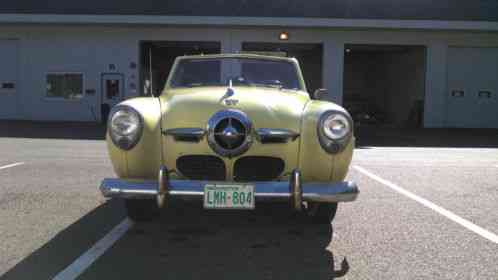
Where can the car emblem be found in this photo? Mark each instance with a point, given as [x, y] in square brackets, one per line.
[229, 132]
[231, 102]
[230, 136]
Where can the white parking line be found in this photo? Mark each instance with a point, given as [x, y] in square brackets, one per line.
[99, 248]
[455, 218]
[11, 165]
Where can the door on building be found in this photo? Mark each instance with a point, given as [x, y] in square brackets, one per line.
[112, 92]
[472, 97]
[9, 93]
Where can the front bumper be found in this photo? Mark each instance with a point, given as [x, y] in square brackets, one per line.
[293, 190]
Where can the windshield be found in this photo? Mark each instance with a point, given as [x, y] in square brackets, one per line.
[239, 71]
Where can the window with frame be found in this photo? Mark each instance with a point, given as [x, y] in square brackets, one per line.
[65, 86]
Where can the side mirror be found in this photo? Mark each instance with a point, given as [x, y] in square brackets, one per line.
[319, 93]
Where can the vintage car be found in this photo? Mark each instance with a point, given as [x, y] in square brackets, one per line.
[231, 131]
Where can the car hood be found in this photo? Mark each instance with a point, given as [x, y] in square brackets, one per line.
[266, 107]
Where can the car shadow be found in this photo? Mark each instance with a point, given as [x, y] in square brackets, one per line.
[188, 242]
[52, 130]
[368, 136]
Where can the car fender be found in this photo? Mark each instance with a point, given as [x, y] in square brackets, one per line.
[314, 162]
[144, 159]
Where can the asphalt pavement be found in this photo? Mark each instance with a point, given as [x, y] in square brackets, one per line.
[52, 216]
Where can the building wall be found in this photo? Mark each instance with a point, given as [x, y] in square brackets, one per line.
[9, 76]
[91, 49]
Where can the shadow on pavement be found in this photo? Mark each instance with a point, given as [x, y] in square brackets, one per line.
[190, 243]
[52, 130]
[426, 137]
[67, 245]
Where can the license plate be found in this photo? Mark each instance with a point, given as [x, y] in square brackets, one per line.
[228, 196]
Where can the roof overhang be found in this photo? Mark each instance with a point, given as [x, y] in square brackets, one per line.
[486, 26]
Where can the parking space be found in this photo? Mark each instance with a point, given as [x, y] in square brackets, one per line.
[388, 236]
[464, 181]
[52, 213]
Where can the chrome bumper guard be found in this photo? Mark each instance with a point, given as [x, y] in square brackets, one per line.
[293, 190]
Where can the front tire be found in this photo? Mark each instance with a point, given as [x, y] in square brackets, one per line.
[141, 210]
[321, 213]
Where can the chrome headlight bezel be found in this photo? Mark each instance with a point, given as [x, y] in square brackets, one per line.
[125, 141]
[329, 144]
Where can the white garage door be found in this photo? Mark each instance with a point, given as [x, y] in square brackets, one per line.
[472, 87]
[9, 61]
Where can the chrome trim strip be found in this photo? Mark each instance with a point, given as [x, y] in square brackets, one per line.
[163, 186]
[276, 134]
[186, 193]
[313, 191]
[186, 133]
[296, 189]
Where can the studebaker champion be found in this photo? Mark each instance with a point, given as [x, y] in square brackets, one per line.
[231, 131]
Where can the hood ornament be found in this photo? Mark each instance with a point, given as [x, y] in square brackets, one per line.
[231, 102]
[229, 93]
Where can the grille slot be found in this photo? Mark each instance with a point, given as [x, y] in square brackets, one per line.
[258, 168]
[201, 167]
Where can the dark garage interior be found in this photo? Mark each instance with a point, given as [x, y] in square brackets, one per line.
[157, 58]
[308, 55]
[384, 85]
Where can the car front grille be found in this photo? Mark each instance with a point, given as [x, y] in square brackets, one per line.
[257, 168]
[201, 167]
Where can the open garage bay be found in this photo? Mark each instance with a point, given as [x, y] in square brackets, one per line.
[384, 85]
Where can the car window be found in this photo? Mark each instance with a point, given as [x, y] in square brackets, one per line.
[240, 71]
[191, 73]
[270, 73]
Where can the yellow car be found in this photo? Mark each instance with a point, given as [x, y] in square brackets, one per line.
[232, 131]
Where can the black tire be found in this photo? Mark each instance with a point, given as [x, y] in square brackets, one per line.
[322, 213]
[142, 210]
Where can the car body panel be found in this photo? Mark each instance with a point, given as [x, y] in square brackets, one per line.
[315, 163]
[266, 108]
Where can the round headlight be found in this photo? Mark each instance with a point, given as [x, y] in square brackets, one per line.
[336, 126]
[125, 127]
[334, 131]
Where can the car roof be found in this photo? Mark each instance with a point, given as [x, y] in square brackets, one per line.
[238, 55]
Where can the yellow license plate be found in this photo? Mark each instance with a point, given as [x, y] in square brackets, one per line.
[228, 196]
